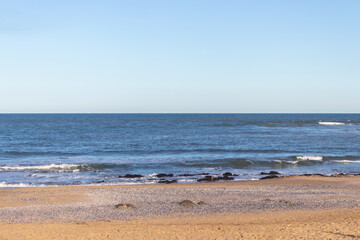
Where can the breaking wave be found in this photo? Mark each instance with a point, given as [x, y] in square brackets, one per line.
[19, 185]
[234, 163]
[331, 123]
[40, 167]
[346, 161]
[296, 162]
[309, 158]
[57, 168]
[301, 160]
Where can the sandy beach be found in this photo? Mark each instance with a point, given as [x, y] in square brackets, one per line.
[299, 207]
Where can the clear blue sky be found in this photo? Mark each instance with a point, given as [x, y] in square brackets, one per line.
[179, 56]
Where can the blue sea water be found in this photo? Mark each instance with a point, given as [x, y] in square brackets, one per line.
[75, 149]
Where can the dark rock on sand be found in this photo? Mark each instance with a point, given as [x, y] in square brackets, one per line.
[269, 177]
[191, 175]
[125, 206]
[209, 178]
[187, 204]
[131, 176]
[270, 173]
[338, 175]
[160, 175]
[202, 203]
[287, 201]
[167, 181]
[344, 175]
[227, 178]
[315, 174]
[227, 174]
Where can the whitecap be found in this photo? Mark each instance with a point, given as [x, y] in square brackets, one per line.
[309, 158]
[18, 185]
[186, 180]
[346, 161]
[285, 161]
[331, 123]
[41, 167]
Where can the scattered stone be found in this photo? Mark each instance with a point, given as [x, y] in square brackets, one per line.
[202, 203]
[125, 206]
[191, 175]
[186, 175]
[338, 175]
[131, 176]
[187, 204]
[227, 174]
[344, 175]
[160, 175]
[209, 178]
[81, 223]
[267, 200]
[287, 202]
[270, 173]
[227, 178]
[167, 181]
[315, 174]
[269, 177]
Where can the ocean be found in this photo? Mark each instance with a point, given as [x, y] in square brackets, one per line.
[79, 149]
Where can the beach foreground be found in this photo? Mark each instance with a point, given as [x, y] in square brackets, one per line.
[308, 207]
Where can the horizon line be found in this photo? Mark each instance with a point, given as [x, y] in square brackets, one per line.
[179, 113]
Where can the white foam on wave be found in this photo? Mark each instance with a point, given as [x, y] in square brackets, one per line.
[72, 167]
[309, 158]
[186, 180]
[152, 175]
[301, 159]
[19, 185]
[331, 123]
[346, 161]
[285, 161]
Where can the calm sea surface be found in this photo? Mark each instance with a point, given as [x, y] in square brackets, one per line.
[75, 149]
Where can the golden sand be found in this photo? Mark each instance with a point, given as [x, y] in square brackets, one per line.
[310, 224]
[338, 223]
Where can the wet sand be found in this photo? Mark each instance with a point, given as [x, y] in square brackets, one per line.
[298, 207]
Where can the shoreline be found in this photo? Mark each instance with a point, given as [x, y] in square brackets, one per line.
[207, 178]
[235, 207]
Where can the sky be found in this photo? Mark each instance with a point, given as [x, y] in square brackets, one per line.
[188, 56]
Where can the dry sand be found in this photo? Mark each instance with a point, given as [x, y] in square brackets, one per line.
[285, 208]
